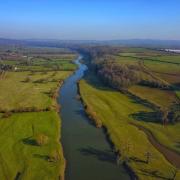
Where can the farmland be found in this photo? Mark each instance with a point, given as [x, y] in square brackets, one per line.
[17, 87]
[21, 156]
[29, 121]
[115, 111]
[132, 111]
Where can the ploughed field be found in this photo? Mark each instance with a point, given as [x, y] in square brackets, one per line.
[29, 121]
[142, 118]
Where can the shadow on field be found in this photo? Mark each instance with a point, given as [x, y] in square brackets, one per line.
[178, 145]
[29, 141]
[147, 116]
[95, 82]
[138, 100]
[176, 86]
[106, 155]
[135, 159]
[45, 157]
[153, 173]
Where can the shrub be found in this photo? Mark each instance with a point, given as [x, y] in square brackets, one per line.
[78, 97]
[174, 114]
[41, 139]
[40, 81]
[54, 74]
[54, 156]
[52, 93]
[92, 115]
[57, 107]
[28, 79]
[6, 114]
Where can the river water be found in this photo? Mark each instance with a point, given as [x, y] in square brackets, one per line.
[88, 153]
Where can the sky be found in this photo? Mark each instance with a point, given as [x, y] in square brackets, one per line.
[90, 19]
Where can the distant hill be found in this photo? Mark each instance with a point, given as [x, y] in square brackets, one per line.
[175, 44]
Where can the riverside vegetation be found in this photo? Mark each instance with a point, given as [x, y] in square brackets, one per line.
[30, 126]
[134, 94]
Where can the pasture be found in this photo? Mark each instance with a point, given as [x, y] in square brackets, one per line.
[22, 90]
[20, 155]
[116, 111]
[30, 125]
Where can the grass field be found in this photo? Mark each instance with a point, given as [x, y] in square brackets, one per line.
[168, 136]
[159, 65]
[155, 95]
[30, 126]
[169, 58]
[43, 62]
[20, 154]
[115, 111]
[16, 93]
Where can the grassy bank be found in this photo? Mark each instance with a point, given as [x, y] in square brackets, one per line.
[114, 110]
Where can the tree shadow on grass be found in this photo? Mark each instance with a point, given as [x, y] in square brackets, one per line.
[17, 176]
[106, 155]
[93, 80]
[135, 159]
[147, 116]
[153, 173]
[176, 86]
[44, 157]
[178, 145]
[138, 100]
[30, 141]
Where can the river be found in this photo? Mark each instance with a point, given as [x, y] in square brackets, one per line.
[87, 151]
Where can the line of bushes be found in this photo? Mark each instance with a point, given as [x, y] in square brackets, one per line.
[26, 109]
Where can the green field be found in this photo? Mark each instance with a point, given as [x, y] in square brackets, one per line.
[19, 152]
[152, 64]
[162, 67]
[115, 111]
[26, 90]
[30, 125]
[40, 62]
[155, 95]
[141, 114]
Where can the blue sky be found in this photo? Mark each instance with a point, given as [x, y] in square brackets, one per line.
[90, 19]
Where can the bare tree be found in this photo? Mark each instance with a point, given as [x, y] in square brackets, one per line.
[164, 116]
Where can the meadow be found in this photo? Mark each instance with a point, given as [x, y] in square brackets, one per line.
[23, 90]
[21, 157]
[154, 64]
[115, 111]
[30, 125]
[134, 113]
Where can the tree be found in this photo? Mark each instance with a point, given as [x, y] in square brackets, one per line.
[41, 139]
[175, 171]
[164, 116]
[148, 156]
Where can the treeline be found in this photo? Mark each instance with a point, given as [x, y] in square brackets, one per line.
[5, 67]
[118, 76]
